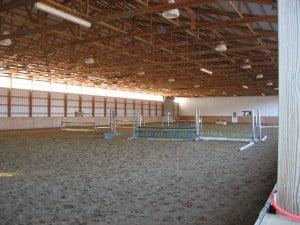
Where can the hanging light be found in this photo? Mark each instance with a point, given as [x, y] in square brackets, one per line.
[221, 47]
[246, 65]
[58, 13]
[259, 76]
[206, 71]
[172, 13]
[6, 42]
[89, 60]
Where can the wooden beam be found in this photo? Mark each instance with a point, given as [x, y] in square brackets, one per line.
[125, 107]
[30, 103]
[93, 106]
[65, 105]
[49, 104]
[80, 103]
[289, 106]
[116, 107]
[9, 93]
[105, 104]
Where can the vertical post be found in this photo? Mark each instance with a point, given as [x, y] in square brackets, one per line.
[133, 105]
[253, 125]
[289, 106]
[259, 124]
[197, 124]
[142, 107]
[105, 102]
[9, 93]
[149, 108]
[80, 103]
[134, 125]
[168, 119]
[49, 104]
[116, 107]
[155, 108]
[125, 107]
[65, 105]
[93, 106]
[30, 103]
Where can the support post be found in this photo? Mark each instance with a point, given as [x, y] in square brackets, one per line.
[9, 93]
[93, 106]
[80, 103]
[125, 107]
[30, 103]
[253, 126]
[197, 124]
[49, 104]
[259, 124]
[65, 105]
[289, 106]
[104, 106]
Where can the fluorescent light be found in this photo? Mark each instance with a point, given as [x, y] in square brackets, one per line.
[245, 87]
[276, 89]
[270, 83]
[196, 86]
[171, 80]
[206, 71]
[172, 13]
[221, 47]
[48, 9]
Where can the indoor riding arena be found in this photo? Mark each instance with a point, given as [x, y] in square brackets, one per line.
[149, 112]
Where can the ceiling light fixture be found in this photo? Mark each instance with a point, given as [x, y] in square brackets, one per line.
[245, 87]
[246, 65]
[89, 60]
[259, 76]
[51, 10]
[171, 80]
[270, 83]
[172, 13]
[141, 73]
[6, 42]
[221, 47]
[206, 71]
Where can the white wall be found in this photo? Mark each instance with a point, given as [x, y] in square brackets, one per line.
[225, 106]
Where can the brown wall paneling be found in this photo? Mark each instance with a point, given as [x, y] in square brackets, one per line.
[57, 104]
[3, 102]
[99, 106]
[20, 103]
[39, 104]
[87, 105]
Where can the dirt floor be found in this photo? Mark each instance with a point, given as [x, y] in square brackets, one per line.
[59, 177]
